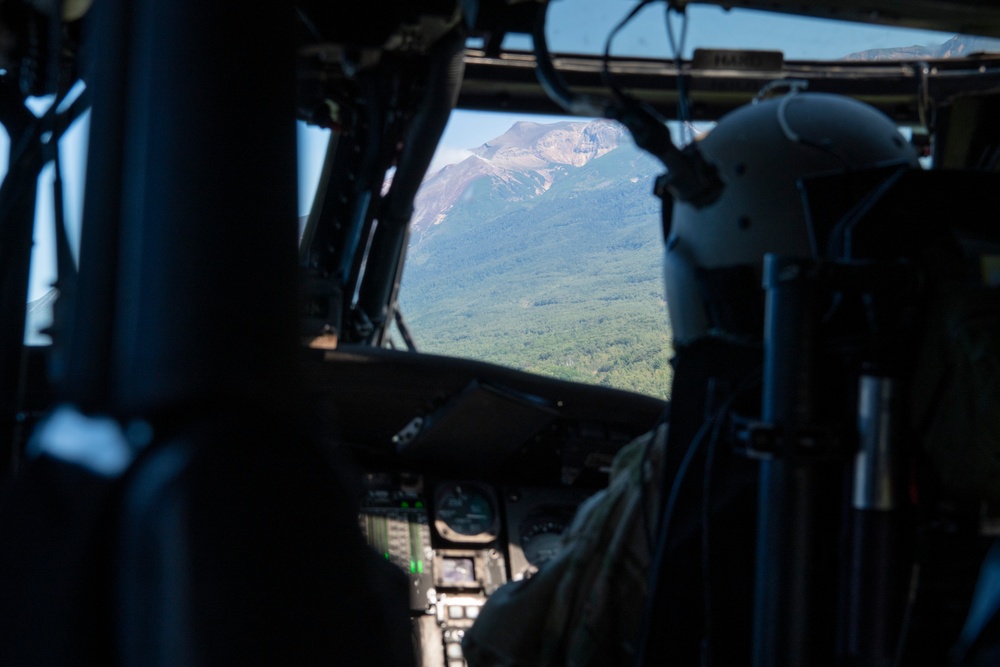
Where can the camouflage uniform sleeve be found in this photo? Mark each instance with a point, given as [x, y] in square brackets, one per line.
[583, 608]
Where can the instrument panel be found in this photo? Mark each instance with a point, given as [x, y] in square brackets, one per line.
[458, 541]
[536, 518]
[466, 512]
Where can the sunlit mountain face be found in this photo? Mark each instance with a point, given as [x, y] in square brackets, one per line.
[519, 165]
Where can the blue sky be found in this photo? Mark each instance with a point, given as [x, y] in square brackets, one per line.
[585, 24]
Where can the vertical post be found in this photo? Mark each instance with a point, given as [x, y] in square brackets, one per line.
[877, 587]
[17, 216]
[206, 285]
[786, 599]
[82, 356]
[229, 531]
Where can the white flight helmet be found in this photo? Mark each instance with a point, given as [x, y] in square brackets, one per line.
[761, 150]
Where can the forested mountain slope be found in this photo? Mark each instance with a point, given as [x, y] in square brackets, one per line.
[546, 265]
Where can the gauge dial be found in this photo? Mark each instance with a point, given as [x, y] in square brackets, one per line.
[542, 539]
[465, 512]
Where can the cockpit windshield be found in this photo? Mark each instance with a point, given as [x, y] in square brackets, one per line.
[549, 261]
[644, 30]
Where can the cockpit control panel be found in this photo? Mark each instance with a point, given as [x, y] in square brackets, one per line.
[458, 541]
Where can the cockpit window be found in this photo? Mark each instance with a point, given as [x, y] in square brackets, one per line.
[538, 246]
[42, 285]
[551, 261]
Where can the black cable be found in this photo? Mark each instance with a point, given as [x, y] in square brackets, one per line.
[552, 83]
[683, 108]
[705, 543]
[714, 425]
[705, 512]
[606, 77]
[661, 542]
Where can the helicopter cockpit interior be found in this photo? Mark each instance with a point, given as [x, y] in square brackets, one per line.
[231, 448]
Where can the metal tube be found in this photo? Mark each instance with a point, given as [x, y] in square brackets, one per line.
[206, 284]
[878, 581]
[786, 598]
[874, 479]
[82, 354]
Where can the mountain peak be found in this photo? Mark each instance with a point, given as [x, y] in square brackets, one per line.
[534, 145]
[523, 162]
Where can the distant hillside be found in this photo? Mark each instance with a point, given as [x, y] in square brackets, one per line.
[542, 251]
[960, 46]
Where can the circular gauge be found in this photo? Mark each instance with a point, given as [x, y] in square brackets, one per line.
[465, 512]
[541, 539]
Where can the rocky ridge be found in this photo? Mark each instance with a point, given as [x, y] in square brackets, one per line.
[521, 163]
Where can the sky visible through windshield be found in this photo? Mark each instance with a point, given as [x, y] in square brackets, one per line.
[580, 26]
[583, 26]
